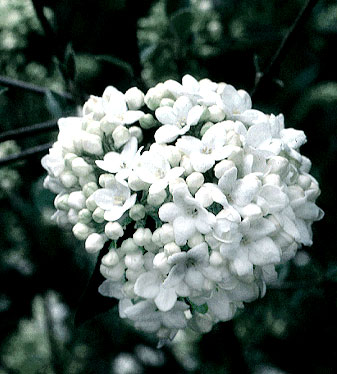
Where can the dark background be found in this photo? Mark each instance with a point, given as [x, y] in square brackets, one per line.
[80, 47]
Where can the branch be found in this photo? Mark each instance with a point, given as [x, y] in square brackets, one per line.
[27, 153]
[29, 130]
[10, 82]
[288, 40]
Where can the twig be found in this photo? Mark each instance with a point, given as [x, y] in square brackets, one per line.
[27, 153]
[29, 130]
[274, 65]
[10, 82]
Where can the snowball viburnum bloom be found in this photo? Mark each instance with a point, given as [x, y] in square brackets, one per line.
[116, 109]
[153, 168]
[177, 120]
[121, 163]
[114, 200]
[186, 214]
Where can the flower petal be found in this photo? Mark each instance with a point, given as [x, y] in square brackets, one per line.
[132, 116]
[166, 115]
[166, 134]
[169, 212]
[147, 285]
[166, 299]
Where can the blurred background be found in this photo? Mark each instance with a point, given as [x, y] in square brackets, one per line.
[81, 46]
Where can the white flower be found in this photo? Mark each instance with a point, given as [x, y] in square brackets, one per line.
[115, 107]
[203, 153]
[176, 120]
[186, 214]
[233, 102]
[153, 168]
[114, 200]
[121, 163]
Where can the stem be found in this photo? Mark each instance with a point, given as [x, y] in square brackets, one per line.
[288, 40]
[14, 83]
[27, 153]
[29, 130]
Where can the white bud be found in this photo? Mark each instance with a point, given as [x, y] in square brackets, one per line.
[205, 127]
[135, 183]
[304, 181]
[278, 165]
[171, 249]
[136, 132]
[61, 202]
[92, 144]
[110, 259]
[134, 261]
[194, 181]
[84, 216]
[151, 247]
[80, 167]
[90, 203]
[98, 215]
[129, 246]
[73, 216]
[148, 261]
[154, 96]
[156, 237]
[134, 98]
[273, 179]
[85, 179]
[94, 242]
[76, 200]
[216, 114]
[132, 275]
[160, 263]
[187, 165]
[222, 167]
[137, 212]
[93, 105]
[128, 289]
[195, 239]
[167, 102]
[215, 259]
[173, 155]
[68, 159]
[81, 231]
[121, 135]
[174, 183]
[142, 236]
[114, 273]
[68, 179]
[166, 233]
[156, 199]
[113, 230]
[147, 121]
[89, 189]
[106, 126]
[94, 127]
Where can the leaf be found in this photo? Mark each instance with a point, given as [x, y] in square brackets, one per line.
[117, 62]
[181, 23]
[69, 62]
[174, 5]
[202, 309]
[92, 302]
[53, 105]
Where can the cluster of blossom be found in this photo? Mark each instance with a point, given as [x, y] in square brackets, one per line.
[217, 200]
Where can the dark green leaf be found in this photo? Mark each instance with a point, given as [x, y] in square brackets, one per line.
[117, 62]
[174, 5]
[3, 90]
[69, 62]
[53, 105]
[181, 22]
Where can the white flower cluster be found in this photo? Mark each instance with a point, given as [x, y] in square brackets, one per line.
[219, 198]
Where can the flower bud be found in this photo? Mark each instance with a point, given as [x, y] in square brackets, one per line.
[187, 165]
[142, 236]
[110, 259]
[136, 184]
[205, 127]
[76, 200]
[90, 203]
[136, 132]
[68, 159]
[84, 215]
[273, 179]
[134, 98]
[115, 273]
[134, 261]
[128, 289]
[106, 126]
[113, 230]
[92, 144]
[195, 239]
[156, 199]
[216, 114]
[80, 167]
[68, 179]
[106, 180]
[94, 127]
[154, 96]
[194, 181]
[81, 231]
[129, 246]
[160, 263]
[94, 243]
[98, 215]
[85, 179]
[132, 275]
[61, 202]
[173, 155]
[137, 212]
[223, 166]
[166, 233]
[278, 165]
[89, 189]
[304, 181]
[174, 183]
[93, 105]
[156, 237]
[215, 259]
[121, 135]
[171, 249]
[147, 121]
[167, 102]
[72, 216]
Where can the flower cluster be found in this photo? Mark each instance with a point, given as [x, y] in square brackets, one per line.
[216, 195]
